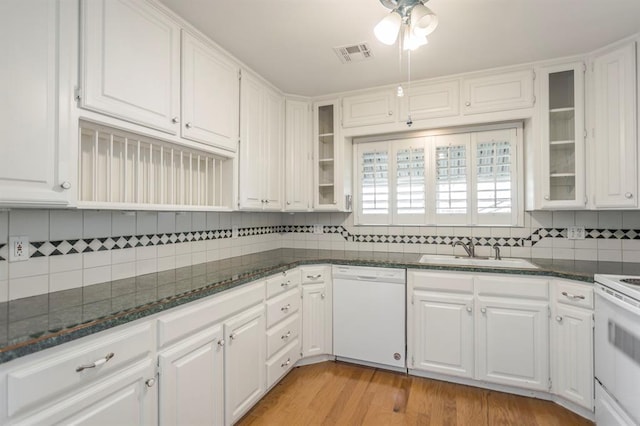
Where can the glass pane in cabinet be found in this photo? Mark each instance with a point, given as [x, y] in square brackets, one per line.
[562, 159]
[325, 120]
[325, 147]
[561, 90]
[326, 195]
[563, 188]
[562, 125]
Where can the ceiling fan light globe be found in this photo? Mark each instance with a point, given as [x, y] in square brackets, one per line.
[412, 41]
[423, 20]
[387, 29]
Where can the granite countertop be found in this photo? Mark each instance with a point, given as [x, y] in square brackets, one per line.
[32, 324]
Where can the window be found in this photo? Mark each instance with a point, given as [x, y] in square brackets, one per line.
[447, 179]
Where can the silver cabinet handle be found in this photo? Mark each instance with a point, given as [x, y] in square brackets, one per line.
[286, 336]
[286, 363]
[175, 120]
[314, 277]
[559, 318]
[65, 185]
[390, 112]
[97, 363]
[322, 295]
[233, 336]
[288, 203]
[220, 343]
[150, 382]
[573, 296]
[467, 103]
[483, 310]
[285, 284]
[628, 195]
[188, 125]
[546, 197]
[286, 307]
[469, 309]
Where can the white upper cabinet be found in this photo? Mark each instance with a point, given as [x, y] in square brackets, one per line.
[431, 100]
[498, 92]
[210, 95]
[261, 146]
[615, 163]
[131, 63]
[562, 131]
[369, 108]
[297, 154]
[38, 73]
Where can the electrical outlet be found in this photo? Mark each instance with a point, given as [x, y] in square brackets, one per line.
[234, 231]
[318, 229]
[18, 249]
[575, 233]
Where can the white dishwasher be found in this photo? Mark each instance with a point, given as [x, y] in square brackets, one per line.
[369, 315]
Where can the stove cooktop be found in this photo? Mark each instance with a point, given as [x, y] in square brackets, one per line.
[626, 284]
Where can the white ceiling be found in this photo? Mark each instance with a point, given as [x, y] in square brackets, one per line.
[290, 42]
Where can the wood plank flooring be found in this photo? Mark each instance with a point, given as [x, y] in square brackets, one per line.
[335, 393]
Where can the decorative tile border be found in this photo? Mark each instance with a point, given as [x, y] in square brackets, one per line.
[89, 245]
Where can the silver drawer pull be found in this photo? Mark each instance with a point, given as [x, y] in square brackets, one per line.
[286, 284]
[286, 307]
[314, 277]
[573, 296]
[97, 363]
[286, 363]
[286, 336]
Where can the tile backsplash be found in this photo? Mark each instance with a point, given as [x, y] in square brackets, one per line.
[71, 249]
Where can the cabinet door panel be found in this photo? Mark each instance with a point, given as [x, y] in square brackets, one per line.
[244, 362]
[370, 108]
[35, 88]
[297, 155]
[499, 92]
[314, 320]
[131, 63]
[121, 399]
[512, 348]
[616, 171]
[443, 333]
[252, 161]
[192, 381]
[210, 95]
[273, 150]
[431, 101]
[573, 355]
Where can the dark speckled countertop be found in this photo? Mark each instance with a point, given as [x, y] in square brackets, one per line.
[32, 324]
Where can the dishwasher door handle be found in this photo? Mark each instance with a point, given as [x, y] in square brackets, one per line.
[366, 278]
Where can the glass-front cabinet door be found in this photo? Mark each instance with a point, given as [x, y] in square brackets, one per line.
[562, 136]
[326, 156]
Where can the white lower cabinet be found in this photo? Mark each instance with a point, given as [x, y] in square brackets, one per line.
[443, 333]
[191, 381]
[483, 327]
[572, 342]
[244, 372]
[317, 325]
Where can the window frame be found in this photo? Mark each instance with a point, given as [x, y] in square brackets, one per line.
[471, 136]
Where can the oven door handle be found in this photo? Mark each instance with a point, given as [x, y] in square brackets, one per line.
[614, 300]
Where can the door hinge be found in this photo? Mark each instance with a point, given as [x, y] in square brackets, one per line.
[584, 67]
[586, 134]
[534, 75]
[239, 74]
[413, 361]
[534, 99]
[550, 383]
[549, 311]
[412, 299]
[77, 94]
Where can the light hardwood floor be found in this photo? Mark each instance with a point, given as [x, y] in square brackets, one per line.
[335, 393]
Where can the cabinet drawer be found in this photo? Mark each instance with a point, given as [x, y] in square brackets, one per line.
[51, 377]
[282, 362]
[283, 333]
[282, 282]
[282, 306]
[315, 275]
[573, 293]
[187, 320]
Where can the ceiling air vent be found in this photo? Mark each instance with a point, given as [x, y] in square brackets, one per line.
[353, 53]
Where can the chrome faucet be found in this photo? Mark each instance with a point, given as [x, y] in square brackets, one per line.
[469, 248]
[496, 248]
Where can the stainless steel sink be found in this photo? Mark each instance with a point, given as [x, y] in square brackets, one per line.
[438, 259]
